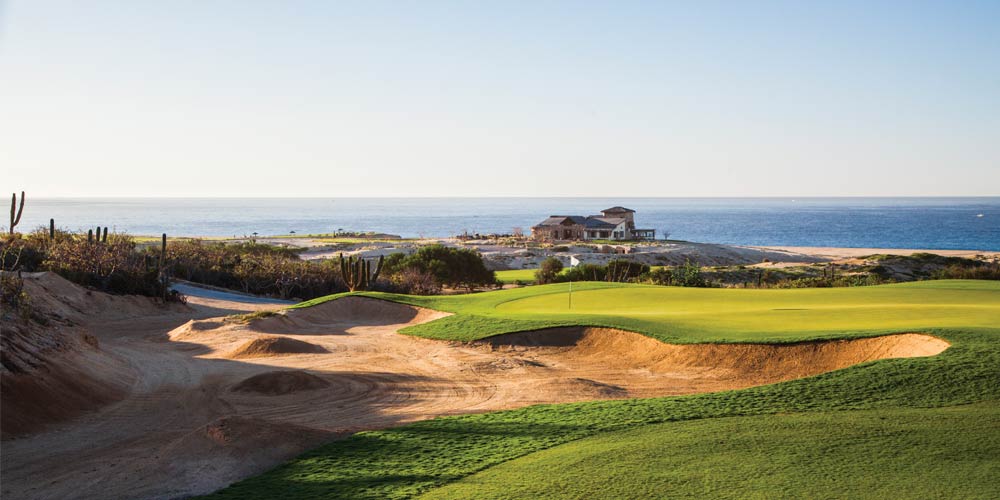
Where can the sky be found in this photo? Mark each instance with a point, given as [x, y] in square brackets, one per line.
[535, 98]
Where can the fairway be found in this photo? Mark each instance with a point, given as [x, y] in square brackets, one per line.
[686, 315]
[864, 454]
[908, 428]
[516, 275]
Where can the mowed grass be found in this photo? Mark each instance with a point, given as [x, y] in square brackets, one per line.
[874, 426]
[886, 453]
[517, 275]
[686, 315]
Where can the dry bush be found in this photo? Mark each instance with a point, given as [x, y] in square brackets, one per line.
[414, 281]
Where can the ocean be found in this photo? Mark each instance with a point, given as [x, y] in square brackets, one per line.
[933, 223]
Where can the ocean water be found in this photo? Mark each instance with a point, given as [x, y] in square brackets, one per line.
[934, 223]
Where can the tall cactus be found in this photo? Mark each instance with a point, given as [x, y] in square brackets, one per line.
[358, 273]
[162, 270]
[104, 237]
[20, 210]
[52, 229]
[163, 250]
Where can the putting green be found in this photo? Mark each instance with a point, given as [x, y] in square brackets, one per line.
[775, 313]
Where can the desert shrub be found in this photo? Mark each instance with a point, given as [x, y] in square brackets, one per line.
[415, 281]
[453, 267]
[622, 271]
[252, 268]
[26, 252]
[619, 270]
[850, 280]
[13, 298]
[560, 248]
[550, 269]
[119, 266]
[584, 272]
[689, 274]
[660, 276]
[113, 266]
[985, 271]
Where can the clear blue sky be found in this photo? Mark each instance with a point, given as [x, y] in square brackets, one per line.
[367, 98]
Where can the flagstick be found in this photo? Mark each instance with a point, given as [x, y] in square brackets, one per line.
[572, 263]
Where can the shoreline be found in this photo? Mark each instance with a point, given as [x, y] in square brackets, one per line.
[833, 251]
[507, 255]
[850, 252]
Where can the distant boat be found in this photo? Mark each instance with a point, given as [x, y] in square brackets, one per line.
[979, 215]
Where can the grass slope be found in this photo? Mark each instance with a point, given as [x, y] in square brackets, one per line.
[896, 403]
[887, 453]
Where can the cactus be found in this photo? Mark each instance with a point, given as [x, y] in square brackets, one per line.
[162, 266]
[104, 237]
[20, 210]
[358, 274]
[163, 251]
[52, 229]
[90, 236]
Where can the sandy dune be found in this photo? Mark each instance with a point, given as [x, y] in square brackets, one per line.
[837, 253]
[200, 414]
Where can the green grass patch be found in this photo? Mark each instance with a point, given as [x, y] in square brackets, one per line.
[517, 275]
[887, 453]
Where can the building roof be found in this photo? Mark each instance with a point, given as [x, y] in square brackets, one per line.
[595, 222]
[589, 222]
[616, 210]
[559, 220]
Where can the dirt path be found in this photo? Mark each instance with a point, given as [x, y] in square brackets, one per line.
[184, 430]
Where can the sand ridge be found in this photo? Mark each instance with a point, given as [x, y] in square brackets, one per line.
[619, 355]
[281, 382]
[272, 345]
[206, 433]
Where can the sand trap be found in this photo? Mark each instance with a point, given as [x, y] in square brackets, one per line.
[744, 364]
[281, 382]
[55, 297]
[347, 311]
[274, 346]
[54, 371]
[66, 385]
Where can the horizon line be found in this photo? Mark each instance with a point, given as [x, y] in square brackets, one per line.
[285, 197]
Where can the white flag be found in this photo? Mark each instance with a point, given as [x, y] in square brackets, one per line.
[573, 262]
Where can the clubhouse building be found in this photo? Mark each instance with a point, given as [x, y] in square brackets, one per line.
[615, 223]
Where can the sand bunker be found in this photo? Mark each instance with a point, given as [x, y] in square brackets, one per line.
[65, 385]
[347, 311]
[54, 369]
[744, 364]
[57, 298]
[281, 382]
[274, 346]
